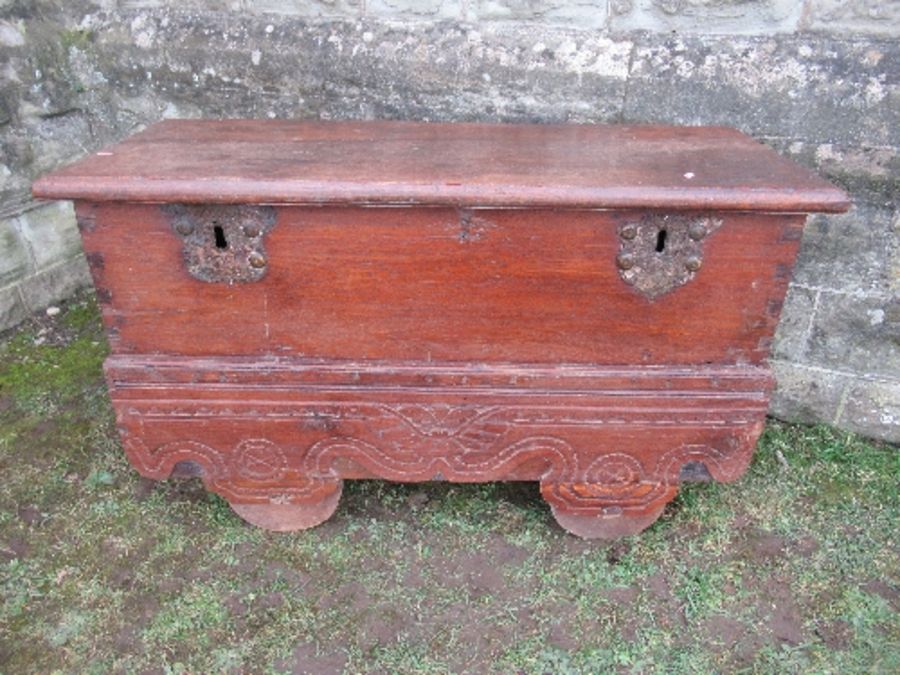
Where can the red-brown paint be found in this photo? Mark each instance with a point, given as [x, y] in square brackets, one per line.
[472, 326]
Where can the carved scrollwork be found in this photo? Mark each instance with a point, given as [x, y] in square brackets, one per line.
[616, 470]
[280, 458]
[611, 484]
[262, 480]
[258, 470]
[608, 458]
[394, 462]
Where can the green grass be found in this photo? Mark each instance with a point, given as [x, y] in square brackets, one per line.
[793, 569]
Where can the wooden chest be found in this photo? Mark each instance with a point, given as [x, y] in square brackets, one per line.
[291, 304]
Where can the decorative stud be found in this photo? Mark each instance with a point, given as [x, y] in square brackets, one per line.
[697, 231]
[625, 261]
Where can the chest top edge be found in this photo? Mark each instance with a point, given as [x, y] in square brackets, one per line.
[448, 164]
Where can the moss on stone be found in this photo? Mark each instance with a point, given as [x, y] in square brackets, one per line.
[78, 38]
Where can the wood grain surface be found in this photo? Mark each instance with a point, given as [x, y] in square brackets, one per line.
[590, 166]
[438, 284]
[608, 445]
[292, 304]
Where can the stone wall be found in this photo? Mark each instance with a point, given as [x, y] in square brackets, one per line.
[816, 79]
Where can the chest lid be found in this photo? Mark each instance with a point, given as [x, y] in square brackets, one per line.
[461, 164]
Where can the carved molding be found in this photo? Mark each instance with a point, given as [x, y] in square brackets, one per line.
[576, 479]
[601, 441]
[491, 422]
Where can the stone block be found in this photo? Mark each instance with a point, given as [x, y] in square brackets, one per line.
[415, 10]
[587, 14]
[869, 173]
[806, 394]
[50, 233]
[707, 16]
[807, 88]
[794, 326]
[856, 333]
[848, 252]
[14, 259]
[875, 17]
[894, 256]
[810, 394]
[448, 72]
[872, 407]
[310, 9]
[11, 34]
[288, 67]
[56, 137]
[12, 310]
[200, 5]
[55, 283]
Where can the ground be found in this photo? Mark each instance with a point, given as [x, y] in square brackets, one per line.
[794, 568]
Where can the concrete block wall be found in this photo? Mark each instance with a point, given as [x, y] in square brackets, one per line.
[815, 79]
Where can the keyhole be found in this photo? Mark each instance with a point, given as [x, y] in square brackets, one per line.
[219, 234]
[661, 241]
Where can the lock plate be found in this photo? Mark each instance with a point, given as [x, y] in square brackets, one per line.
[660, 252]
[223, 243]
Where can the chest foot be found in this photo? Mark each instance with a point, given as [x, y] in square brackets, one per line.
[291, 516]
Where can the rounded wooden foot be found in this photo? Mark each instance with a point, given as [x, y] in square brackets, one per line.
[609, 509]
[603, 526]
[290, 517]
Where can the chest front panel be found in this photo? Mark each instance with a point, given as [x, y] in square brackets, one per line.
[440, 284]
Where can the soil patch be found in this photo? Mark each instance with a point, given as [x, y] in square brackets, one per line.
[308, 659]
[477, 572]
[784, 619]
[14, 548]
[836, 634]
[30, 515]
[885, 590]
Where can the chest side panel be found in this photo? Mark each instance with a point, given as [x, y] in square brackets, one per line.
[442, 284]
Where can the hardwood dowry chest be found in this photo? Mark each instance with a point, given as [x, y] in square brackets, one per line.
[292, 304]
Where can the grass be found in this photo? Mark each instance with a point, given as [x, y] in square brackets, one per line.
[793, 569]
